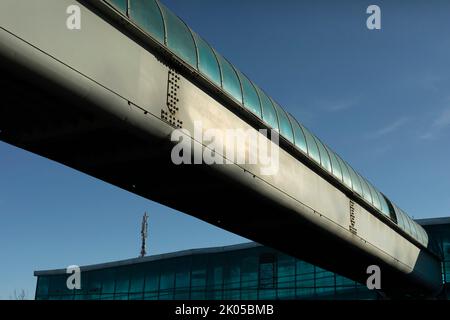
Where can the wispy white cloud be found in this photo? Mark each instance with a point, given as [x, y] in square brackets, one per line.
[441, 122]
[342, 105]
[381, 149]
[337, 105]
[389, 128]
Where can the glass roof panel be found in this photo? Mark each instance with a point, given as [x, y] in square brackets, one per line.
[147, 15]
[345, 173]
[336, 167]
[324, 157]
[299, 137]
[269, 115]
[120, 4]
[179, 37]
[355, 180]
[230, 80]
[313, 150]
[207, 61]
[285, 125]
[251, 99]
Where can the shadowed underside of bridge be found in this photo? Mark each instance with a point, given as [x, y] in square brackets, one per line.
[66, 129]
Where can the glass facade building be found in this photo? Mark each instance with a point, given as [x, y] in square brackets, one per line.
[439, 231]
[242, 272]
[246, 271]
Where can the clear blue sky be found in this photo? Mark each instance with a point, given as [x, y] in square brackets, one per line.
[379, 98]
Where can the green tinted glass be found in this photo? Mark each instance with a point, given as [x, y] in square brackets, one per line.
[412, 225]
[313, 150]
[207, 62]
[418, 232]
[345, 173]
[324, 157]
[425, 238]
[365, 190]
[299, 137]
[337, 172]
[375, 199]
[408, 222]
[179, 38]
[251, 99]
[269, 114]
[122, 281]
[403, 222]
[355, 180]
[43, 286]
[120, 4]
[383, 204]
[147, 16]
[400, 219]
[230, 81]
[285, 125]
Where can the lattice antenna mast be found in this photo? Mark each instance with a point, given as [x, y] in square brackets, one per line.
[144, 235]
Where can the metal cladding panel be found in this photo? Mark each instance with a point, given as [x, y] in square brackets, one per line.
[96, 51]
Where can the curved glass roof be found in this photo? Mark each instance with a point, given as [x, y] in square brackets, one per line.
[169, 30]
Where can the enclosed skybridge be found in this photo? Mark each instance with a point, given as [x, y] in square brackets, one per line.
[100, 86]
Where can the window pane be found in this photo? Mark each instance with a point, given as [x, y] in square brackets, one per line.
[108, 283]
[324, 283]
[324, 157]
[305, 281]
[313, 151]
[376, 201]
[384, 205]
[251, 99]
[345, 173]
[400, 219]
[198, 283]
[285, 125]
[355, 181]
[425, 237]
[232, 281]
[147, 16]
[179, 38]
[207, 61]
[365, 190]
[122, 284]
[299, 137]
[166, 286]
[286, 277]
[215, 280]
[58, 288]
[411, 225]
[416, 228]
[408, 224]
[42, 287]
[269, 114]
[418, 232]
[120, 4]
[392, 212]
[249, 278]
[137, 282]
[230, 81]
[337, 172]
[152, 283]
[95, 284]
[182, 284]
